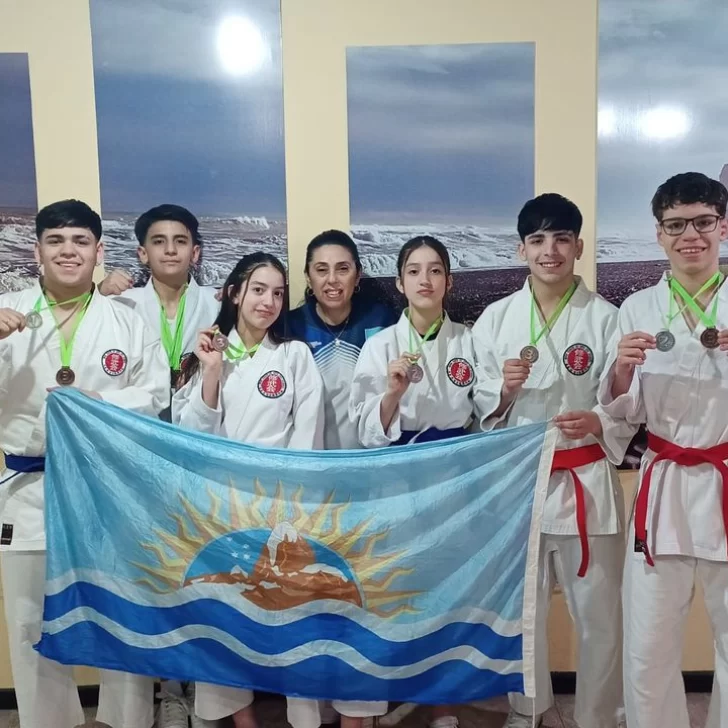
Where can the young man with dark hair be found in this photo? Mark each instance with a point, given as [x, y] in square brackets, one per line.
[544, 349]
[171, 303]
[670, 372]
[62, 333]
[176, 309]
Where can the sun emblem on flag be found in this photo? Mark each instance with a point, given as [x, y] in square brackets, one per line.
[276, 554]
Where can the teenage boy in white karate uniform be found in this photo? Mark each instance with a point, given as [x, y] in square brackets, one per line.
[61, 332]
[671, 373]
[176, 309]
[544, 350]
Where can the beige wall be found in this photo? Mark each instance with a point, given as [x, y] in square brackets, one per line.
[315, 36]
[56, 35]
[698, 641]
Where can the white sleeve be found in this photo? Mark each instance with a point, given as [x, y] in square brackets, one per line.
[367, 391]
[308, 401]
[4, 371]
[190, 411]
[488, 374]
[629, 406]
[148, 388]
[617, 433]
[126, 300]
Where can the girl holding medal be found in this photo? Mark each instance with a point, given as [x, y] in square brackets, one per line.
[247, 383]
[415, 381]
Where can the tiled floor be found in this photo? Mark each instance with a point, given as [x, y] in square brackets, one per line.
[272, 714]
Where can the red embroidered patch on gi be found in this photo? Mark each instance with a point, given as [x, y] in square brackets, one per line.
[272, 385]
[460, 372]
[114, 362]
[578, 359]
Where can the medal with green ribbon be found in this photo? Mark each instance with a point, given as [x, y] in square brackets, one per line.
[65, 376]
[416, 373]
[530, 353]
[665, 340]
[34, 319]
[172, 343]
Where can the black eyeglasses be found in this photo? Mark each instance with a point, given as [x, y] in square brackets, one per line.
[700, 223]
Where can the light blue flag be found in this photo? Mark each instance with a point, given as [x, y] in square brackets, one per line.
[392, 574]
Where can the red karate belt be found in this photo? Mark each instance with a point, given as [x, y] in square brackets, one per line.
[686, 456]
[569, 460]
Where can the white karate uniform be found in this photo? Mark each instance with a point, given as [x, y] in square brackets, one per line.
[275, 400]
[446, 398]
[201, 309]
[115, 355]
[566, 378]
[682, 396]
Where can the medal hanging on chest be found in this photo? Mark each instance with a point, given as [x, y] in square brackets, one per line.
[172, 343]
[65, 376]
[415, 373]
[530, 353]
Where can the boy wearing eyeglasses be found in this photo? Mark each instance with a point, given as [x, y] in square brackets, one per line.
[671, 372]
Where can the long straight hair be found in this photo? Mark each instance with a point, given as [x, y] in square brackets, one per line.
[227, 317]
[424, 241]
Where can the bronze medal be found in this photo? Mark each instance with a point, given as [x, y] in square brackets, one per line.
[529, 354]
[65, 377]
[709, 338]
[415, 373]
[220, 342]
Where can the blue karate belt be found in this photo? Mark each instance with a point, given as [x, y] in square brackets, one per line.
[431, 434]
[23, 464]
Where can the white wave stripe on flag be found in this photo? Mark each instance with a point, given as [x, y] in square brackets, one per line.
[390, 631]
[284, 659]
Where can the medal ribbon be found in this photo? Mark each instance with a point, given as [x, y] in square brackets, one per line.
[708, 320]
[234, 353]
[38, 309]
[66, 343]
[535, 338]
[173, 344]
[414, 352]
